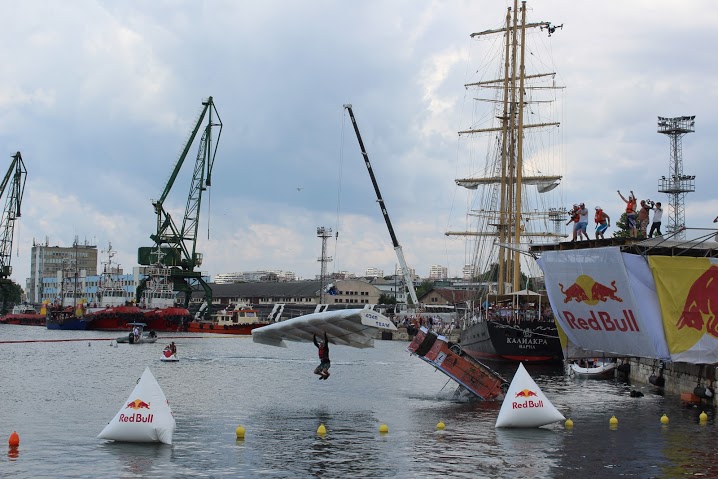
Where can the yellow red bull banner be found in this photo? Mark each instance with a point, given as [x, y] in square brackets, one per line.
[605, 300]
[688, 293]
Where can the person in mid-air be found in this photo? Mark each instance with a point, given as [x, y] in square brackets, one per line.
[323, 346]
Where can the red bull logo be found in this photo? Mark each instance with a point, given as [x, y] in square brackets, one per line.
[137, 404]
[528, 403]
[587, 290]
[701, 304]
[525, 393]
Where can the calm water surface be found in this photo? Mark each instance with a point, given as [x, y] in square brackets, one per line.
[59, 395]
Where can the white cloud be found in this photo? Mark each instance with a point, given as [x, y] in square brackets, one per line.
[100, 96]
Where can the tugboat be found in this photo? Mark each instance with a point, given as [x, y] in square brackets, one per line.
[239, 319]
[66, 319]
[116, 307]
[159, 307]
[26, 315]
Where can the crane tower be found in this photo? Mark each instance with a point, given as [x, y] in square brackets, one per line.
[323, 233]
[676, 184]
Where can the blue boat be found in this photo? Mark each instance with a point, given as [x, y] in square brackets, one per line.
[65, 319]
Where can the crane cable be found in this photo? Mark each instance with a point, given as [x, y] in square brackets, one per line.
[209, 208]
[339, 189]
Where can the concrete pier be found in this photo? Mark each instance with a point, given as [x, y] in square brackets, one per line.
[679, 378]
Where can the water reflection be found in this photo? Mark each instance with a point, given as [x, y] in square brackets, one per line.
[138, 459]
[59, 406]
[13, 452]
[534, 449]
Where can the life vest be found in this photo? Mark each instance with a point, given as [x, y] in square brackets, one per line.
[599, 217]
[630, 206]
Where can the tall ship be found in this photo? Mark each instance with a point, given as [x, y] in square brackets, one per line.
[512, 147]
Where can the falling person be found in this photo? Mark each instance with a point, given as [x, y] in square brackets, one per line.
[323, 346]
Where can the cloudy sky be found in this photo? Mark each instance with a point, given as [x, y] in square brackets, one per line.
[99, 97]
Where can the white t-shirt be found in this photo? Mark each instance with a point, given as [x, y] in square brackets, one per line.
[657, 214]
[583, 215]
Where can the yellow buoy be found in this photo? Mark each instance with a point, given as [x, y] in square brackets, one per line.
[240, 432]
[321, 430]
[383, 429]
[568, 423]
[440, 425]
[613, 421]
[703, 416]
[664, 419]
[14, 440]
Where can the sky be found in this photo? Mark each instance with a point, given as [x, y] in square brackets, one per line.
[100, 96]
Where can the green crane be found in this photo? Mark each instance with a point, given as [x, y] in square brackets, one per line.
[15, 179]
[175, 248]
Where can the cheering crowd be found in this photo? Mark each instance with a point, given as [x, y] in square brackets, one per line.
[636, 219]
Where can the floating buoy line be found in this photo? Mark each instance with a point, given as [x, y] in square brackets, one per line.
[12, 341]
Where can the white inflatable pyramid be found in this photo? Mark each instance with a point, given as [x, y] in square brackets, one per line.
[145, 416]
[525, 404]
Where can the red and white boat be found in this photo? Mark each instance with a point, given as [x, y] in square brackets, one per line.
[157, 308]
[231, 320]
[25, 314]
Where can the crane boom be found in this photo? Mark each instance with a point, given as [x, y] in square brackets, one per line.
[384, 212]
[15, 178]
[181, 251]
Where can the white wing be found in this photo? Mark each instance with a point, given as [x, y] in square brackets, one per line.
[347, 327]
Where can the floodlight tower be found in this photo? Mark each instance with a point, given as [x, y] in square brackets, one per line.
[323, 233]
[676, 184]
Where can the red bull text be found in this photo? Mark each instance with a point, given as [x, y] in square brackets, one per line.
[604, 321]
[530, 403]
[526, 404]
[137, 417]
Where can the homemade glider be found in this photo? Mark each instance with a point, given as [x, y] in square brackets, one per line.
[346, 327]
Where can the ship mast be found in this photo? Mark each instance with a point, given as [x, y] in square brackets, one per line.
[519, 150]
[511, 179]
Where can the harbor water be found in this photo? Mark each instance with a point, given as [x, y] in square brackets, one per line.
[59, 395]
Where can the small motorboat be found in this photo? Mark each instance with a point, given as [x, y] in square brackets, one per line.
[596, 369]
[169, 356]
[138, 335]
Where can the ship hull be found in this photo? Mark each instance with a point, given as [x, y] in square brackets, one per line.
[24, 319]
[114, 318]
[524, 341]
[239, 329]
[74, 324]
[167, 319]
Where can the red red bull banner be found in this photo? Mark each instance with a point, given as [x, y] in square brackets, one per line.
[687, 289]
[605, 300]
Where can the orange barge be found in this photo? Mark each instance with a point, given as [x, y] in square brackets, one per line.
[470, 374]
